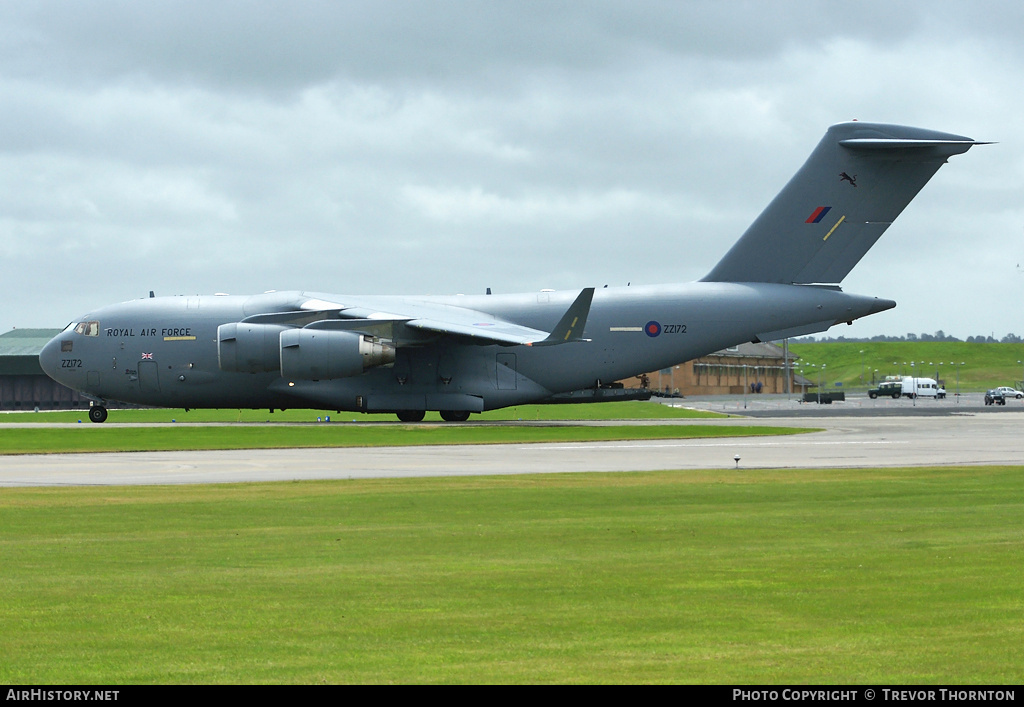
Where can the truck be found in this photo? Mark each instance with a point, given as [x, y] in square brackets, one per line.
[886, 389]
[922, 388]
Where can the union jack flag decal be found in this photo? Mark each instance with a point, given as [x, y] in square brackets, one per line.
[147, 357]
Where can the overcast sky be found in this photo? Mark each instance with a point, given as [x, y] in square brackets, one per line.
[443, 147]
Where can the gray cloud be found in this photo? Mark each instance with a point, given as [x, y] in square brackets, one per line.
[450, 146]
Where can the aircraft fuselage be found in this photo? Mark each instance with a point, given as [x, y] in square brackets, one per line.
[165, 351]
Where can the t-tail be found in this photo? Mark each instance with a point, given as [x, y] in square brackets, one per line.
[859, 178]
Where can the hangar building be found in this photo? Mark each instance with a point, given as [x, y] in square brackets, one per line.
[23, 385]
[728, 372]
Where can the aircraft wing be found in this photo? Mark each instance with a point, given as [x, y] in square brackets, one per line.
[492, 330]
[426, 319]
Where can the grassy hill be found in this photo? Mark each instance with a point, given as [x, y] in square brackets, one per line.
[983, 365]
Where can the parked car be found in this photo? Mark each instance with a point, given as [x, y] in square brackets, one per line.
[891, 389]
[994, 397]
[1010, 392]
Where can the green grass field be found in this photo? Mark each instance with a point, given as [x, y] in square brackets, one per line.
[246, 432]
[888, 576]
[602, 411]
[113, 438]
[984, 365]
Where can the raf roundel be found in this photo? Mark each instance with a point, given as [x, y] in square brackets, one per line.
[652, 328]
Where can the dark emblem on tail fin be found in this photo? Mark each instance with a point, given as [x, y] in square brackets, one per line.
[844, 177]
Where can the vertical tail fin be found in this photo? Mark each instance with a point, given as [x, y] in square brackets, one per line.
[855, 183]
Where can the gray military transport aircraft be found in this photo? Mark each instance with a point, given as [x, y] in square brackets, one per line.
[465, 354]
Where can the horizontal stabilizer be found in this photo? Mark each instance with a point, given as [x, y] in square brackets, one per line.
[864, 143]
[856, 182]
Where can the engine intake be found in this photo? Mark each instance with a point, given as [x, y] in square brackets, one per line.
[249, 348]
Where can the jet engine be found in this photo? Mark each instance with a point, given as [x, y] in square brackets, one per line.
[249, 348]
[323, 354]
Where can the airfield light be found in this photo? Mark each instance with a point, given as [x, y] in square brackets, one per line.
[913, 396]
[954, 363]
[744, 386]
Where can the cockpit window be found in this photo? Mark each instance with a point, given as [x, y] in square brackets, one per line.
[88, 328]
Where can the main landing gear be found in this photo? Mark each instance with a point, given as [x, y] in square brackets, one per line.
[97, 413]
[446, 415]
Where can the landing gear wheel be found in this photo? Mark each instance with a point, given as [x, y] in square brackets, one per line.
[411, 415]
[454, 415]
[97, 413]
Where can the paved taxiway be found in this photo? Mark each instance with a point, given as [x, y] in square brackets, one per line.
[965, 439]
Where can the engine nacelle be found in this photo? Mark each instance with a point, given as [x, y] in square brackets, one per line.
[323, 354]
[249, 348]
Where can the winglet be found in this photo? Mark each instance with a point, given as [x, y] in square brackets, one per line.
[571, 325]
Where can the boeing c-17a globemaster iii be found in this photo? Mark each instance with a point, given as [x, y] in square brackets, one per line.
[465, 354]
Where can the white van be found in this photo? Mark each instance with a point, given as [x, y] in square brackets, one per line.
[922, 388]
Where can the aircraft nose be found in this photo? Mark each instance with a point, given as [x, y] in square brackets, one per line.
[49, 357]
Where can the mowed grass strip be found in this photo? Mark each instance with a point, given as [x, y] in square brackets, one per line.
[884, 576]
[95, 438]
[627, 410]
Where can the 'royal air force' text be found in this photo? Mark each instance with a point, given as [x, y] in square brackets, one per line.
[166, 331]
